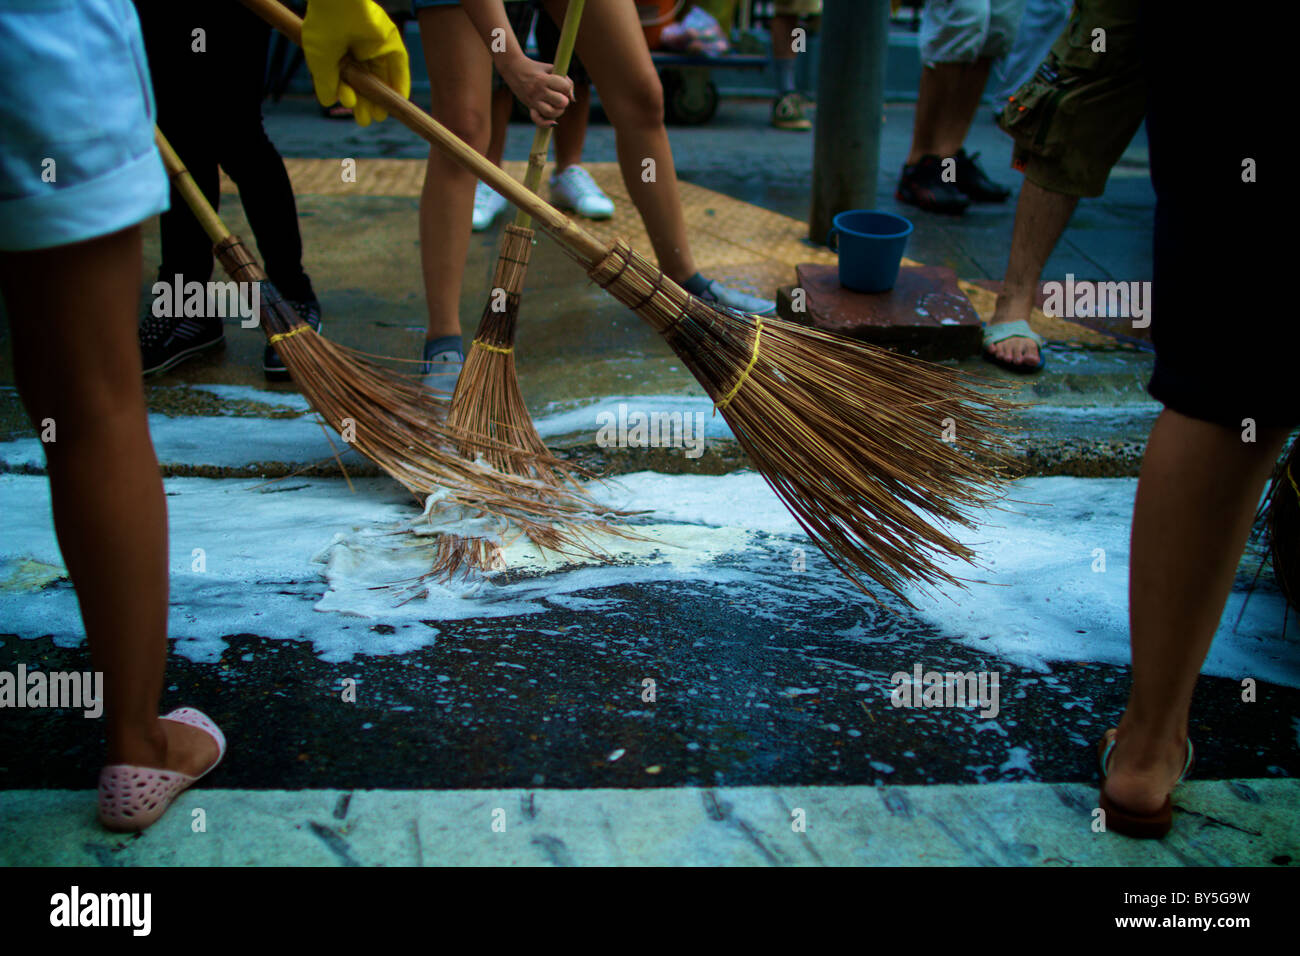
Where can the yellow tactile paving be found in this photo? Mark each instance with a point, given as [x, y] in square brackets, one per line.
[742, 244]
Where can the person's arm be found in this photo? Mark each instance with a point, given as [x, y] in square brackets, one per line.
[333, 28]
[545, 94]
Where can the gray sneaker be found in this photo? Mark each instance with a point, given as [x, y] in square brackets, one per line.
[719, 294]
[440, 369]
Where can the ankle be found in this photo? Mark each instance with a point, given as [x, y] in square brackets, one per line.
[143, 745]
[1012, 305]
[1150, 745]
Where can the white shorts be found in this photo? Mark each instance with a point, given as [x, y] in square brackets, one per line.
[963, 31]
[77, 155]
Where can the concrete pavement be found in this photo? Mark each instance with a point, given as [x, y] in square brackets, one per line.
[1250, 823]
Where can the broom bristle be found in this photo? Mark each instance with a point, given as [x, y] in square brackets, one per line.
[487, 401]
[397, 423]
[849, 436]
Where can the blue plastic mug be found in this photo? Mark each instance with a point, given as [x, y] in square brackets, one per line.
[870, 246]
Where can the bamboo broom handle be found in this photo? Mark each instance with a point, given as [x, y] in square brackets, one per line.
[189, 190]
[542, 138]
[582, 243]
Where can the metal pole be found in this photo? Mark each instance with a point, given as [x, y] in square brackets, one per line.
[850, 110]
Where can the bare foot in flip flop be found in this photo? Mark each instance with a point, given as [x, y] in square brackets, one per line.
[1012, 344]
[1138, 777]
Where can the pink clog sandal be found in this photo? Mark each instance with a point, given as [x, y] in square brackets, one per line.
[131, 798]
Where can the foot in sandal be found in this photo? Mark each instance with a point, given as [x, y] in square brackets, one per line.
[1136, 787]
[131, 797]
[1013, 345]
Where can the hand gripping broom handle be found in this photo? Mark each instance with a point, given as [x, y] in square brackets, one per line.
[578, 241]
[542, 138]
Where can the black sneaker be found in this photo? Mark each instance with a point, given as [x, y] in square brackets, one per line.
[973, 182]
[272, 364]
[922, 185]
[165, 342]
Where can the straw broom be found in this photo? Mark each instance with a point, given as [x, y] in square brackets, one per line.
[850, 437]
[398, 424]
[487, 400]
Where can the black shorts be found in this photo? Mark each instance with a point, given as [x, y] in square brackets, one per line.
[1223, 317]
[548, 38]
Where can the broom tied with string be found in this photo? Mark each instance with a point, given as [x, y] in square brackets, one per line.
[487, 400]
[398, 424]
[849, 436]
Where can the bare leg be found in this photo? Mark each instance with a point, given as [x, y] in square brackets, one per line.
[613, 49]
[1041, 218]
[460, 73]
[502, 103]
[1196, 500]
[783, 36]
[783, 27]
[73, 314]
[946, 103]
[571, 133]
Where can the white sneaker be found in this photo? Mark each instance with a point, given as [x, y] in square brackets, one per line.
[575, 189]
[488, 204]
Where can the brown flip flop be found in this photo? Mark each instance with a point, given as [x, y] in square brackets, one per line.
[1141, 826]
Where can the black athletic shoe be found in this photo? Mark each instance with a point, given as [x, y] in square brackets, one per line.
[922, 185]
[166, 342]
[972, 181]
[272, 364]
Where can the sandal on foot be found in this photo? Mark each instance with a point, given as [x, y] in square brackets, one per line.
[1142, 826]
[1019, 329]
[131, 798]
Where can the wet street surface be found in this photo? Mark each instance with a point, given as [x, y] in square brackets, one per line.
[745, 691]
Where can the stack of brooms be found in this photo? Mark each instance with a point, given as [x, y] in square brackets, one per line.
[855, 440]
[401, 426]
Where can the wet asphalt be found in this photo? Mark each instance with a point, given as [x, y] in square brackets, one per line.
[748, 685]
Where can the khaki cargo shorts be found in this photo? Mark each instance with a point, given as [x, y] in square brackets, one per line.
[1073, 119]
[963, 31]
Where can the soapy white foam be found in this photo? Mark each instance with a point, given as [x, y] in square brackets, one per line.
[1040, 599]
[583, 418]
[219, 442]
[263, 551]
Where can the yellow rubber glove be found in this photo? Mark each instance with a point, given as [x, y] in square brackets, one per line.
[332, 28]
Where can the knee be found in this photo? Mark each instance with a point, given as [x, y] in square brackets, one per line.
[469, 122]
[640, 106]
